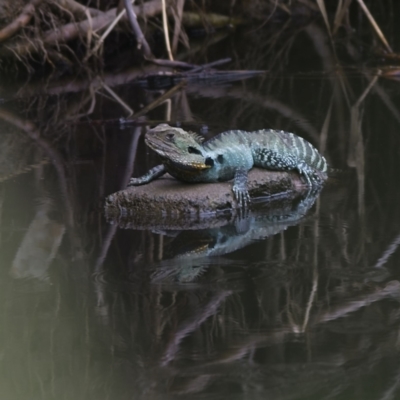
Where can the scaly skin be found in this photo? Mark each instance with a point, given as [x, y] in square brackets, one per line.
[230, 155]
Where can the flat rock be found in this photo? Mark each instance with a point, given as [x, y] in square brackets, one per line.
[172, 200]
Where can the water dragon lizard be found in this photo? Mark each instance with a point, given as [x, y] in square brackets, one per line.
[230, 155]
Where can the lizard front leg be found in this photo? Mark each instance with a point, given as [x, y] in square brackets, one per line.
[240, 188]
[152, 174]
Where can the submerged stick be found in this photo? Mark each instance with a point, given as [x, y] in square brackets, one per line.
[192, 323]
[118, 99]
[211, 64]
[375, 25]
[158, 101]
[322, 8]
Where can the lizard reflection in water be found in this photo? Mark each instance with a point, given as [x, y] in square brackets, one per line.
[191, 261]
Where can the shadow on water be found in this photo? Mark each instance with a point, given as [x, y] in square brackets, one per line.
[299, 300]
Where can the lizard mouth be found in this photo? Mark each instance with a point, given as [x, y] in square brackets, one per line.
[185, 165]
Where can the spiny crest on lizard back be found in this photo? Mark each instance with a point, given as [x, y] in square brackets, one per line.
[177, 146]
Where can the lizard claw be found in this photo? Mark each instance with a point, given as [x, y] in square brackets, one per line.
[314, 179]
[242, 197]
[240, 189]
[311, 176]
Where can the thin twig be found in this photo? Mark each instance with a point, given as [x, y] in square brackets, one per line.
[340, 13]
[178, 23]
[211, 64]
[118, 99]
[166, 32]
[89, 34]
[325, 128]
[172, 64]
[19, 22]
[367, 90]
[322, 8]
[390, 393]
[105, 34]
[75, 8]
[315, 272]
[72, 30]
[356, 154]
[375, 25]
[141, 40]
[387, 101]
[388, 252]
[129, 169]
[160, 100]
[192, 323]
[391, 289]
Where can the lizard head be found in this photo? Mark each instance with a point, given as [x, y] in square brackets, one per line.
[176, 146]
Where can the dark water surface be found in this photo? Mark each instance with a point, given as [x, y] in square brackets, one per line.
[298, 301]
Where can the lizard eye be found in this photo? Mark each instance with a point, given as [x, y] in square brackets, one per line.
[170, 136]
[193, 150]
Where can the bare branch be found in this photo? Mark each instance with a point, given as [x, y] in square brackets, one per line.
[19, 22]
[110, 27]
[77, 9]
[73, 30]
[141, 40]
